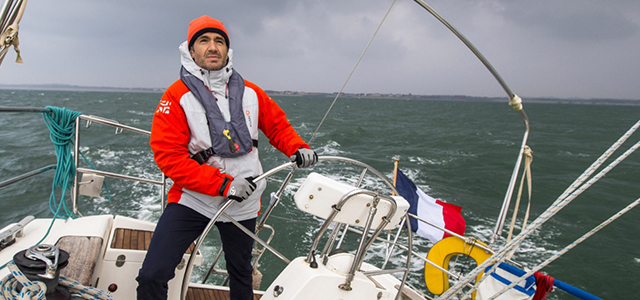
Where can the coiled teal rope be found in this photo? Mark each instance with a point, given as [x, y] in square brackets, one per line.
[61, 123]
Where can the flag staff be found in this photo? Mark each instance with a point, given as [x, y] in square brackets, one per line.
[393, 193]
[395, 173]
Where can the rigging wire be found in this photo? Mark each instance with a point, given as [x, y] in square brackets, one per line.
[353, 70]
[575, 189]
[567, 248]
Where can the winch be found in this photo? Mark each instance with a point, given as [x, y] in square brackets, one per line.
[43, 263]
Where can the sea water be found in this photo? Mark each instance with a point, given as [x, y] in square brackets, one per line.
[459, 152]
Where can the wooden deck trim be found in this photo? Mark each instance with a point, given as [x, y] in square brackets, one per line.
[134, 239]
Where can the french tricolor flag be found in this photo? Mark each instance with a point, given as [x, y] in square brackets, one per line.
[441, 214]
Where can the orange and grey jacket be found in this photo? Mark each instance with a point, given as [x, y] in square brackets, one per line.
[180, 130]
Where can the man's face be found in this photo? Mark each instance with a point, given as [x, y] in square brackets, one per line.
[209, 51]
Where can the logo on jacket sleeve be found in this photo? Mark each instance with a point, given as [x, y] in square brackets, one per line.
[164, 107]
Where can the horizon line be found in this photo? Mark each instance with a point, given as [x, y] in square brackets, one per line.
[69, 87]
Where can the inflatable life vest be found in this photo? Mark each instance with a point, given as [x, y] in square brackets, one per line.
[228, 139]
[441, 253]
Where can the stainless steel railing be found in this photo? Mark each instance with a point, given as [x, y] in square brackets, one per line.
[24, 176]
[119, 128]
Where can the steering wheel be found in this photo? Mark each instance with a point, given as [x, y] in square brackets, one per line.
[264, 176]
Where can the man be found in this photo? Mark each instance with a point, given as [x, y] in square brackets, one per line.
[204, 137]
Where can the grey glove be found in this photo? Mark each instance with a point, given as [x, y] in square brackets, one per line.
[304, 157]
[241, 188]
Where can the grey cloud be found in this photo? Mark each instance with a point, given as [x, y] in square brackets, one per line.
[577, 20]
[591, 46]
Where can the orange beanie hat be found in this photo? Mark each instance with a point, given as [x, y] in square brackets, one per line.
[199, 26]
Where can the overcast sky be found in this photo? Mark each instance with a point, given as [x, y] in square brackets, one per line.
[542, 48]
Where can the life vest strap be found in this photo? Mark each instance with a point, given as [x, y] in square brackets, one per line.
[204, 155]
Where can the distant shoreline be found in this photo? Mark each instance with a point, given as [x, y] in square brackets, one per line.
[75, 88]
[459, 98]
[462, 98]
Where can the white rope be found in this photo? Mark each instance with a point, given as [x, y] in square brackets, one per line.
[567, 248]
[526, 174]
[31, 290]
[352, 70]
[571, 193]
[554, 209]
[528, 153]
[80, 291]
[36, 290]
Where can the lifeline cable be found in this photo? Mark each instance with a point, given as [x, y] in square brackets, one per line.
[353, 70]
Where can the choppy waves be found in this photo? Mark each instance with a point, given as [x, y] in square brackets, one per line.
[465, 159]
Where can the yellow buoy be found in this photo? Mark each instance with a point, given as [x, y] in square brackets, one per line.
[438, 281]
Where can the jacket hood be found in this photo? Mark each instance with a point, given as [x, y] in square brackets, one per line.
[217, 80]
